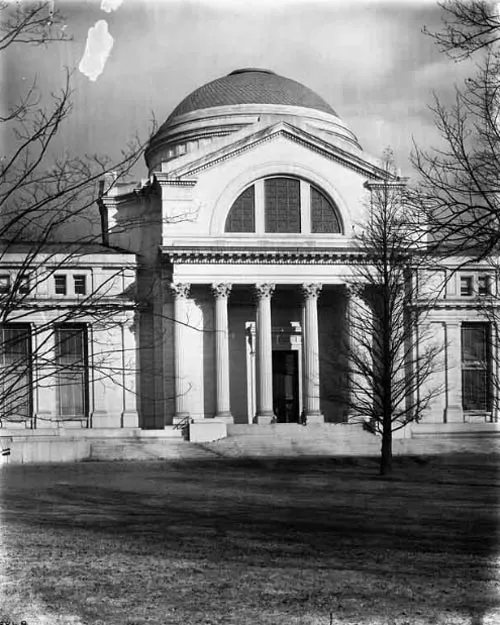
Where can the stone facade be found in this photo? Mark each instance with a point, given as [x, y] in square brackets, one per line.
[239, 305]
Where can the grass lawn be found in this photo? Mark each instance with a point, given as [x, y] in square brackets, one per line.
[281, 543]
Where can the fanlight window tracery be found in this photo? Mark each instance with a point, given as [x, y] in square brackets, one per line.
[285, 205]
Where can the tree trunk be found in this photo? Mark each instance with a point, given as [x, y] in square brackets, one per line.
[386, 455]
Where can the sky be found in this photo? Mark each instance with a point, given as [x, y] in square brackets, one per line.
[370, 60]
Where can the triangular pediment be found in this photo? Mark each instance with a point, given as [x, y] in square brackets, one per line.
[190, 165]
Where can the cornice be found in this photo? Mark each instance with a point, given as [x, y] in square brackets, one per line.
[282, 129]
[163, 179]
[481, 305]
[262, 256]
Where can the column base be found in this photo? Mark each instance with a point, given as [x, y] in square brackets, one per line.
[264, 419]
[180, 417]
[226, 417]
[317, 417]
[130, 419]
[454, 414]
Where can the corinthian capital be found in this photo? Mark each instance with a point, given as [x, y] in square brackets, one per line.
[264, 290]
[180, 289]
[311, 290]
[222, 289]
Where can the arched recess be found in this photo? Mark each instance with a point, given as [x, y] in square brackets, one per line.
[239, 188]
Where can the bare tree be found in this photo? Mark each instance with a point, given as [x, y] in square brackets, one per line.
[461, 179]
[48, 232]
[391, 359]
[468, 27]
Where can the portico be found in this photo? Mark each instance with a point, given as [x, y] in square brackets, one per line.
[263, 335]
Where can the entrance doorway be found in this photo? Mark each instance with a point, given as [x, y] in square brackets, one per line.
[286, 386]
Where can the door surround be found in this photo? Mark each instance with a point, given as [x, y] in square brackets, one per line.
[284, 338]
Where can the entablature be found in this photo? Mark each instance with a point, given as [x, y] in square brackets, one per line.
[262, 255]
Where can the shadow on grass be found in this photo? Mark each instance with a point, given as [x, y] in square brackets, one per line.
[269, 537]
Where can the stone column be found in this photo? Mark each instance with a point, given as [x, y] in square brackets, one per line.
[312, 409]
[222, 402]
[454, 410]
[181, 386]
[265, 412]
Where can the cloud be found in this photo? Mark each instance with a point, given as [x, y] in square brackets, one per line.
[97, 49]
[110, 5]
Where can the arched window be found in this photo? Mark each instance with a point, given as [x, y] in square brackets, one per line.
[241, 217]
[282, 204]
[324, 217]
[273, 205]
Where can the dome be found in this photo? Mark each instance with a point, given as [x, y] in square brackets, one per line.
[241, 99]
[251, 86]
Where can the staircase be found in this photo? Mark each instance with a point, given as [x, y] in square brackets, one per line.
[293, 440]
[141, 449]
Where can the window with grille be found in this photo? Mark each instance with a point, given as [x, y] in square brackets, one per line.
[61, 286]
[241, 217]
[16, 371]
[71, 371]
[324, 217]
[80, 285]
[282, 205]
[476, 367]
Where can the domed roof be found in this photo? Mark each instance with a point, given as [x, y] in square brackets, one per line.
[251, 86]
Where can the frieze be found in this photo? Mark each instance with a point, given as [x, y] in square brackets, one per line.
[264, 257]
[170, 182]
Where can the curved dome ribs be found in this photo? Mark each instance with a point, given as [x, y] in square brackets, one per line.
[251, 86]
[242, 98]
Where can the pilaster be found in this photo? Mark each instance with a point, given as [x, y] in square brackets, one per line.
[454, 410]
[130, 418]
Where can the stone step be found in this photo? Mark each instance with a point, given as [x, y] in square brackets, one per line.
[330, 431]
[167, 449]
[275, 445]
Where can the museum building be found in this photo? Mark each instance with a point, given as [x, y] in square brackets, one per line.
[246, 248]
[240, 249]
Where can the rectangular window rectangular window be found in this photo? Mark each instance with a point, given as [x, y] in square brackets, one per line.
[466, 286]
[60, 284]
[4, 283]
[71, 370]
[476, 367]
[80, 284]
[15, 371]
[483, 285]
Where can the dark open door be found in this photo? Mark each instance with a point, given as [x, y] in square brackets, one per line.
[286, 386]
